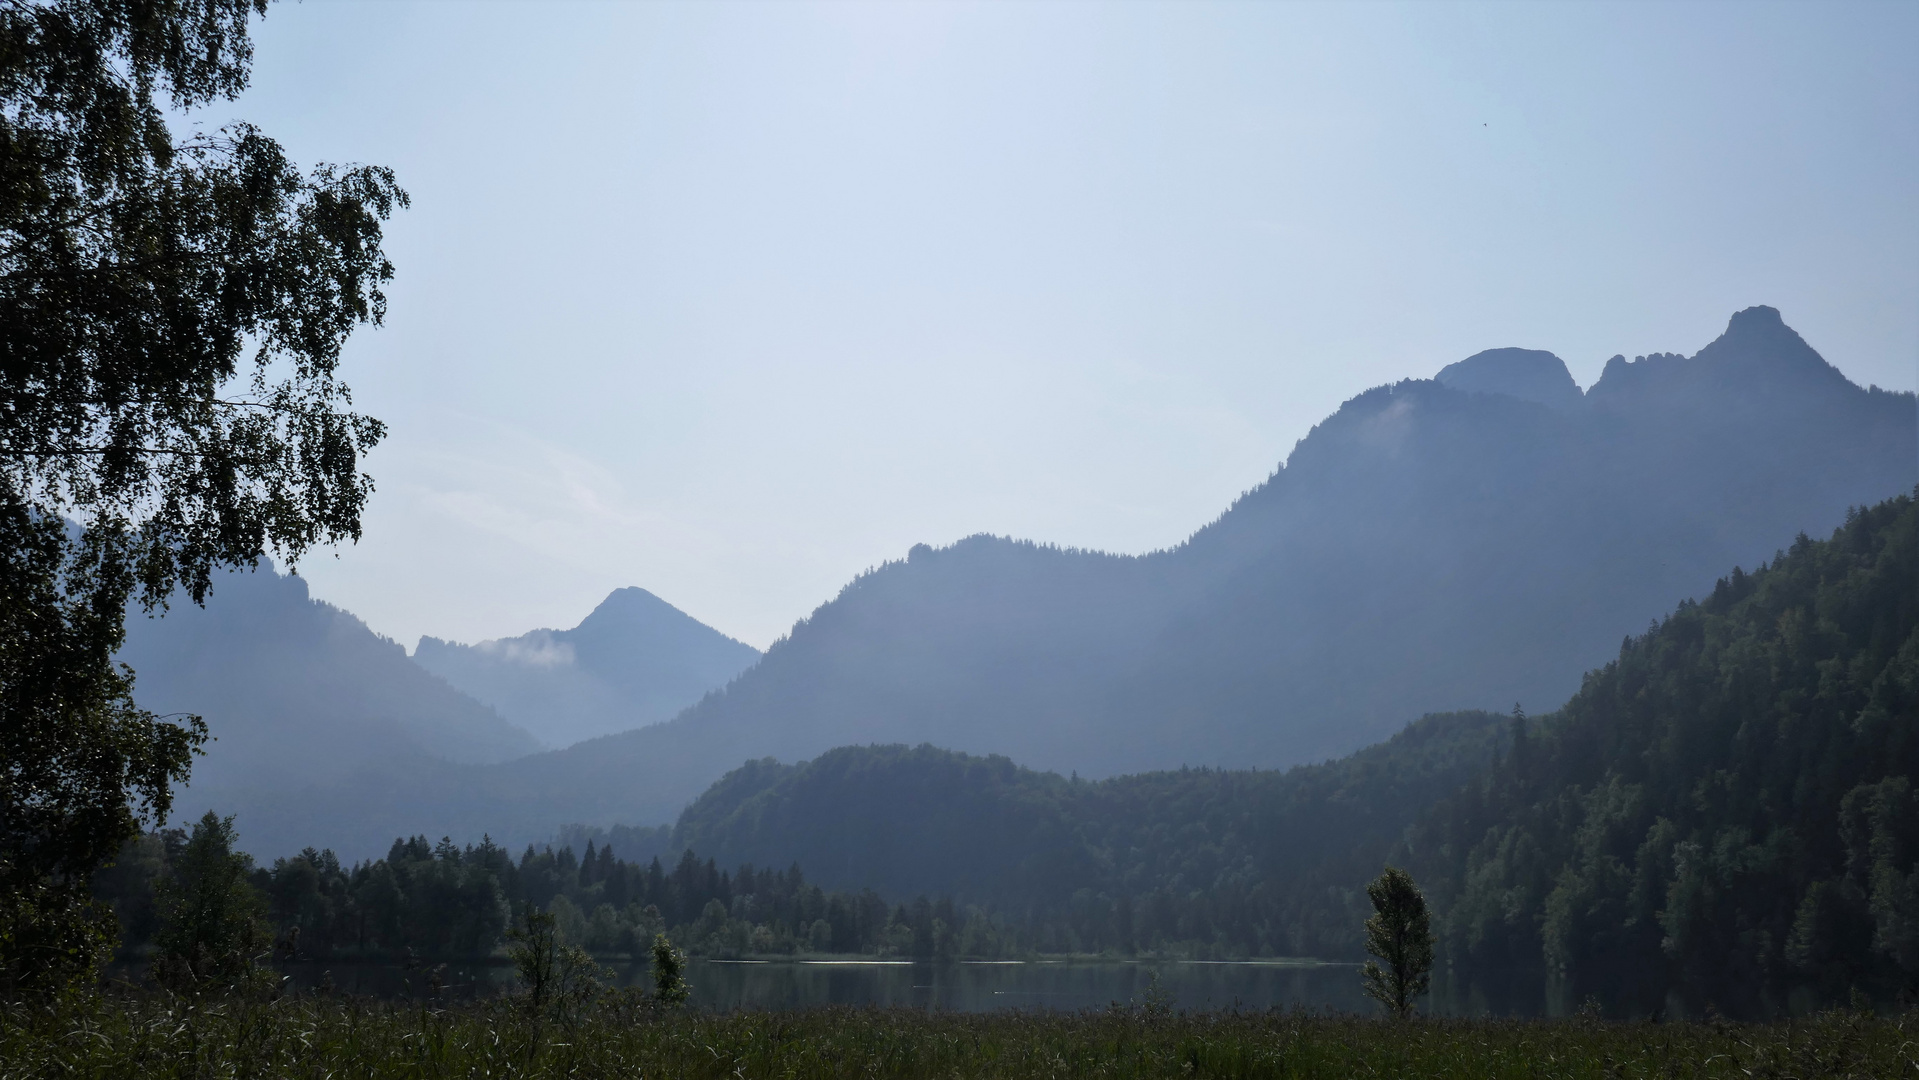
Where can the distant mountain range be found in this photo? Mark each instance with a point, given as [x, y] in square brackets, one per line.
[1462, 542]
[295, 689]
[636, 660]
[309, 707]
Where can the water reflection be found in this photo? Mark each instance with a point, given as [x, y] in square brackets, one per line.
[968, 986]
[978, 987]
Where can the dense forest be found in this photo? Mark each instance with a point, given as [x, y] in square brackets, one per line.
[1724, 813]
[928, 853]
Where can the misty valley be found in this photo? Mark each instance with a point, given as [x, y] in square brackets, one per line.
[1266, 664]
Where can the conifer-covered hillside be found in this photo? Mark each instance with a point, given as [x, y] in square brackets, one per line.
[1727, 811]
[1243, 861]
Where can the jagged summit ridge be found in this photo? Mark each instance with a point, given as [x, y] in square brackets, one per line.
[1757, 357]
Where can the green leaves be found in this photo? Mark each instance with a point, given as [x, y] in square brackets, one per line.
[172, 312]
[171, 317]
[80, 765]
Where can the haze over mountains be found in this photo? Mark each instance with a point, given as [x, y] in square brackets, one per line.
[305, 702]
[1724, 812]
[636, 660]
[1462, 542]
[299, 695]
[1438, 544]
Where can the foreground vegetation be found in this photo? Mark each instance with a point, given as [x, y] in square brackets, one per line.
[620, 1035]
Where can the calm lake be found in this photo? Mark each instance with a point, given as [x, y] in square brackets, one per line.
[971, 986]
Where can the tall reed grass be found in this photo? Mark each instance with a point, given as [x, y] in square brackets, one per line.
[158, 1036]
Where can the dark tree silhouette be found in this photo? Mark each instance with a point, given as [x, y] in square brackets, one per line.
[1400, 934]
[669, 973]
[212, 920]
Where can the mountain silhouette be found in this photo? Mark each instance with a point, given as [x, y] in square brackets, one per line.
[1455, 543]
[636, 660]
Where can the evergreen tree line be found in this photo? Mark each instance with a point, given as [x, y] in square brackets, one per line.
[445, 901]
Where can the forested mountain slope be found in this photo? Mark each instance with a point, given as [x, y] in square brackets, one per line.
[299, 694]
[1434, 544]
[635, 660]
[1727, 811]
[1244, 861]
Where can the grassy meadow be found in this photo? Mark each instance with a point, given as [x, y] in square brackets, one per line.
[622, 1035]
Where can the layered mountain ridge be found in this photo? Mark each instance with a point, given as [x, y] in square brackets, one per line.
[324, 730]
[1427, 547]
[1455, 543]
[277, 673]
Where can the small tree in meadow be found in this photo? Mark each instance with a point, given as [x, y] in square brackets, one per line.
[669, 973]
[1400, 934]
[558, 977]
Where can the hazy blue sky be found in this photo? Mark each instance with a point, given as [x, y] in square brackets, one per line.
[734, 301]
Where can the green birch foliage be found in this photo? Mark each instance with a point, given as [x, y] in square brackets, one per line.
[172, 309]
[81, 767]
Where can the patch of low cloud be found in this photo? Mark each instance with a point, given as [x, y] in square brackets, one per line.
[538, 649]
